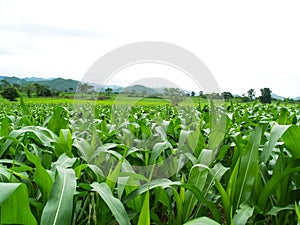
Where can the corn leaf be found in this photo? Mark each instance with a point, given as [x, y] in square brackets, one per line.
[198, 178]
[291, 140]
[248, 168]
[273, 182]
[243, 214]
[41, 176]
[58, 120]
[113, 203]
[59, 208]
[144, 218]
[14, 204]
[276, 133]
[202, 220]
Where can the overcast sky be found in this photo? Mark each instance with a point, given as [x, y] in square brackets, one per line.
[245, 44]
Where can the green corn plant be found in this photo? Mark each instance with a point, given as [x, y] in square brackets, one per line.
[80, 164]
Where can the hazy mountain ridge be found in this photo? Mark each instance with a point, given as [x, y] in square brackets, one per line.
[34, 79]
[58, 84]
[278, 97]
[61, 84]
[141, 89]
[14, 80]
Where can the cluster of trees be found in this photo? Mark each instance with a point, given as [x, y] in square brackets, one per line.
[85, 88]
[265, 96]
[11, 92]
[176, 95]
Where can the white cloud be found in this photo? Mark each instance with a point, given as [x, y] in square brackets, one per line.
[245, 44]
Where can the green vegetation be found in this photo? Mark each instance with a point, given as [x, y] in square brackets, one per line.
[175, 95]
[10, 93]
[265, 95]
[65, 163]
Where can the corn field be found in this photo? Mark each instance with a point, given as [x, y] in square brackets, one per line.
[81, 164]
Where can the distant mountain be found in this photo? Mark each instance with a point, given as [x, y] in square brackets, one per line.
[34, 79]
[297, 98]
[278, 97]
[140, 89]
[58, 84]
[14, 80]
[101, 88]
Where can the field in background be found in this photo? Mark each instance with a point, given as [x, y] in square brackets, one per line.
[121, 99]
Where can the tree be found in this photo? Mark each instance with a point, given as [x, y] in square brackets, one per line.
[175, 95]
[5, 84]
[201, 94]
[84, 87]
[227, 95]
[108, 91]
[245, 98]
[214, 95]
[42, 91]
[10, 93]
[265, 95]
[28, 89]
[251, 94]
[192, 93]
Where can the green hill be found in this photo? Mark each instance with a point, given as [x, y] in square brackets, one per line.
[140, 89]
[58, 84]
[14, 80]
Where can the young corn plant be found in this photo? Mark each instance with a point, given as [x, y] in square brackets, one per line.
[102, 164]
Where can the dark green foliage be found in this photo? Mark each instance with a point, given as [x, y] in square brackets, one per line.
[265, 95]
[108, 91]
[42, 91]
[227, 95]
[251, 94]
[10, 93]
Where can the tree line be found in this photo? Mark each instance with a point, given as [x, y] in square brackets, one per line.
[176, 95]
[11, 91]
[265, 96]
